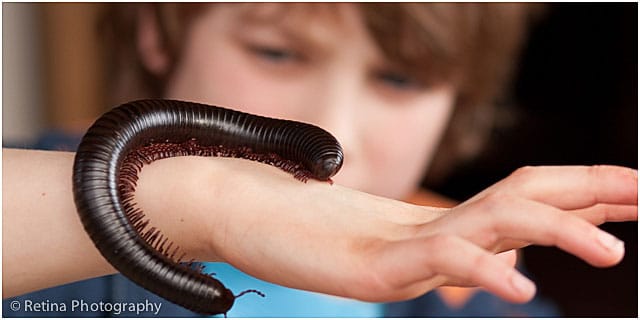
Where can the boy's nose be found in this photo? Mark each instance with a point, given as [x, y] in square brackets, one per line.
[337, 110]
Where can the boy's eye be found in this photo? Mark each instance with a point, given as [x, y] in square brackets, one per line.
[275, 54]
[398, 80]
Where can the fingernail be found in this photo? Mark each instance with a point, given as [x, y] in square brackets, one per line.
[610, 242]
[523, 285]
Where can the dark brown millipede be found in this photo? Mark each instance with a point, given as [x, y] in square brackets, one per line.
[118, 144]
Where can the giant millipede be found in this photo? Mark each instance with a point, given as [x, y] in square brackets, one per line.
[118, 144]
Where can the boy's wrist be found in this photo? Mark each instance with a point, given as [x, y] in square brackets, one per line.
[170, 193]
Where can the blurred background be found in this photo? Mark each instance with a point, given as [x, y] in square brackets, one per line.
[573, 101]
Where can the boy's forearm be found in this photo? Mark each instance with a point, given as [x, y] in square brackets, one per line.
[44, 243]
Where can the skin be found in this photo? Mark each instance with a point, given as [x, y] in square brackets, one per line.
[350, 239]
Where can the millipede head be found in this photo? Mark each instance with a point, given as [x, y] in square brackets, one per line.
[223, 303]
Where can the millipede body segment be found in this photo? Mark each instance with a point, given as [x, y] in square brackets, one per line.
[118, 144]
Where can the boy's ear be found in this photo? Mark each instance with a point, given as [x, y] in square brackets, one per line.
[150, 43]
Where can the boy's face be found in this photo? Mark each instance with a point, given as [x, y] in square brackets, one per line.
[322, 67]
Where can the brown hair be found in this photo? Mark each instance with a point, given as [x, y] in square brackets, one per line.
[472, 46]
